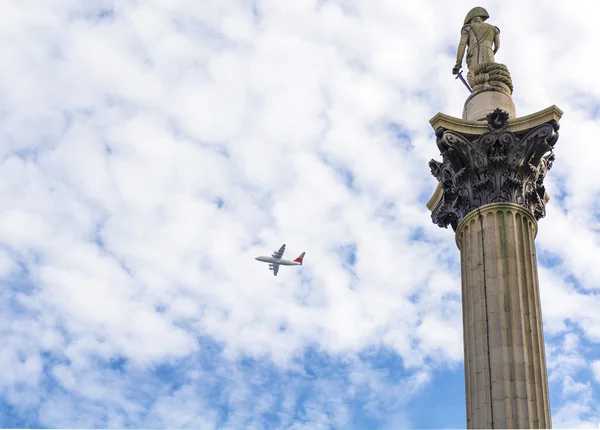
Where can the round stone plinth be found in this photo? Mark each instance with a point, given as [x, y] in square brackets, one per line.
[483, 102]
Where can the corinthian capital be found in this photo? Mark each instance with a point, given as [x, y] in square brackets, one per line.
[497, 166]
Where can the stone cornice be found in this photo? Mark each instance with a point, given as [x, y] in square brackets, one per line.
[516, 125]
[437, 195]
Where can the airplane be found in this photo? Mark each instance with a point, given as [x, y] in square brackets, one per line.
[275, 260]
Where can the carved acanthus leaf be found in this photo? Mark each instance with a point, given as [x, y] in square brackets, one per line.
[496, 167]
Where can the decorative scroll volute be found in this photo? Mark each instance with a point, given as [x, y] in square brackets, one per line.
[496, 167]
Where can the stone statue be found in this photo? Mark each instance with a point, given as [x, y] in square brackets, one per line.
[482, 41]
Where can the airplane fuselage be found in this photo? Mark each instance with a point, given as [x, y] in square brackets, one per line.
[280, 261]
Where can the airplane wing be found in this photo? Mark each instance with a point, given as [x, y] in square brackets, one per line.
[275, 269]
[279, 254]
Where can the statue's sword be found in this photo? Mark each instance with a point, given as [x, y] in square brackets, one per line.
[459, 75]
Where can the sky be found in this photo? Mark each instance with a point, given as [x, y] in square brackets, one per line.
[151, 149]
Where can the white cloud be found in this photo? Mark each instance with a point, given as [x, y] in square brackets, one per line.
[151, 150]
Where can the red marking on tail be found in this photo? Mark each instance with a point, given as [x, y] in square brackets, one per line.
[299, 259]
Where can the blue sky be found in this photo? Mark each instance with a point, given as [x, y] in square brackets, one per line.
[150, 150]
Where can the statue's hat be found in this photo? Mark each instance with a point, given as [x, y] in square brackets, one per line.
[477, 11]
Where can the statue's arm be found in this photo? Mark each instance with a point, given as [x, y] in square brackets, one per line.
[462, 45]
[497, 40]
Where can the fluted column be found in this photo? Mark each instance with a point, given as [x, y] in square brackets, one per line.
[505, 364]
[491, 192]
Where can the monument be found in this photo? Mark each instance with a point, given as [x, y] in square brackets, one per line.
[491, 193]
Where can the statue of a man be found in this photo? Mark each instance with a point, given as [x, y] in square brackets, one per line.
[482, 40]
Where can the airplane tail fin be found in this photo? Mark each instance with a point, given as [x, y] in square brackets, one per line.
[299, 259]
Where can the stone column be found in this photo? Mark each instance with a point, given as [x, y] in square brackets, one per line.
[502, 320]
[491, 193]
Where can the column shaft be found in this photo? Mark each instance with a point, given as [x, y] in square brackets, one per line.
[505, 363]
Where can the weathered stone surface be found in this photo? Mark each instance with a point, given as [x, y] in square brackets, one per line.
[480, 104]
[479, 39]
[482, 41]
[472, 128]
[505, 364]
[499, 166]
[490, 76]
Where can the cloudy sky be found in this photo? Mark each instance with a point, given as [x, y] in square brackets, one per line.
[151, 149]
